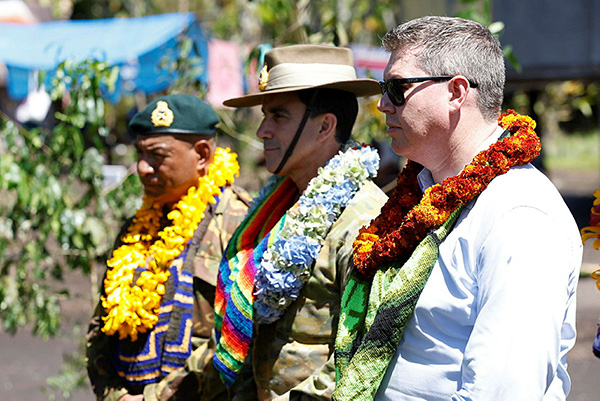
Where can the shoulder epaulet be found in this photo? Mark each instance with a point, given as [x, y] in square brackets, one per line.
[230, 194]
[242, 194]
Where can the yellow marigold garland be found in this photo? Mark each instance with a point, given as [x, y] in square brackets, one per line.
[408, 216]
[593, 231]
[133, 309]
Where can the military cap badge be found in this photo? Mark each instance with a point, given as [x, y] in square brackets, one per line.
[162, 116]
[263, 78]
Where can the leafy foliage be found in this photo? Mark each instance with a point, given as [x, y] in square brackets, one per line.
[55, 214]
[72, 374]
[481, 11]
[185, 67]
[331, 21]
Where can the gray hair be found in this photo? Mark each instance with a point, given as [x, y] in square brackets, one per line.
[456, 46]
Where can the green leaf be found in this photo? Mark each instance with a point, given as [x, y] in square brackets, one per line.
[510, 56]
[13, 176]
[23, 188]
[496, 27]
[77, 240]
[97, 231]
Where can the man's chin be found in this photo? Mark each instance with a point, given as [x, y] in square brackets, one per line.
[155, 196]
[271, 167]
[399, 147]
[152, 194]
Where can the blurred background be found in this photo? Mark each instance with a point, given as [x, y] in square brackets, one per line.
[72, 73]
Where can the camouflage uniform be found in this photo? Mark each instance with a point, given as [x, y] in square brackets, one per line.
[292, 358]
[106, 383]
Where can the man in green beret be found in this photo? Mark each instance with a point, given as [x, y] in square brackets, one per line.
[156, 304]
[281, 279]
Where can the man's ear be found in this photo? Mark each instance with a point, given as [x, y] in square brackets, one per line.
[458, 88]
[328, 127]
[205, 150]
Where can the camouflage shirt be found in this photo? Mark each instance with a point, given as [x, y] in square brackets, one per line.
[292, 358]
[106, 383]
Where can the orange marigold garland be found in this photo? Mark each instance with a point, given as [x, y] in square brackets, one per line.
[593, 231]
[408, 216]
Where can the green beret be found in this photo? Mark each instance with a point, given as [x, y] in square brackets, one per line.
[175, 114]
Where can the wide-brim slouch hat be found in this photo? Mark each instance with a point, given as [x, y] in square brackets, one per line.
[297, 67]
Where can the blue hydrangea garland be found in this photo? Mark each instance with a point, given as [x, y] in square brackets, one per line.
[287, 263]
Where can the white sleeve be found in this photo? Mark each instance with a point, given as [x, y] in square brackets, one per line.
[527, 273]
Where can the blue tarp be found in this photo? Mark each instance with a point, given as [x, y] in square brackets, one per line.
[137, 45]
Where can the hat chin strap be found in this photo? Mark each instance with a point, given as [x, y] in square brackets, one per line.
[290, 148]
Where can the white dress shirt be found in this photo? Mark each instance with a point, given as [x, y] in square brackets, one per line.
[497, 315]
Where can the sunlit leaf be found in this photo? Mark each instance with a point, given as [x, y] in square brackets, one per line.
[496, 27]
[511, 57]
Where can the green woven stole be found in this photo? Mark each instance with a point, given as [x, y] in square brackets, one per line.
[373, 316]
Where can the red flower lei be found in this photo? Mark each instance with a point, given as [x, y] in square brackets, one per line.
[408, 216]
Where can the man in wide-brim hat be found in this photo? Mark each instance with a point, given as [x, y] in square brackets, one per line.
[281, 279]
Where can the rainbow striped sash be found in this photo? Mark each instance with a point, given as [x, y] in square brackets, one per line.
[234, 296]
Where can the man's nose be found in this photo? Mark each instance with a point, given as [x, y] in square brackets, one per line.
[144, 168]
[384, 104]
[263, 132]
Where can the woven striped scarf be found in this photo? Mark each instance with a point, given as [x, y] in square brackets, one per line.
[234, 296]
[166, 347]
[374, 313]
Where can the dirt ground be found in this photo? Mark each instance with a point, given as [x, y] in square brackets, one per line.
[27, 361]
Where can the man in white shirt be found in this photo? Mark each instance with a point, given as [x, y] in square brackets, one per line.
[490, 313]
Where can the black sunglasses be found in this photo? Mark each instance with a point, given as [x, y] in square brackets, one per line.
[395, 86]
